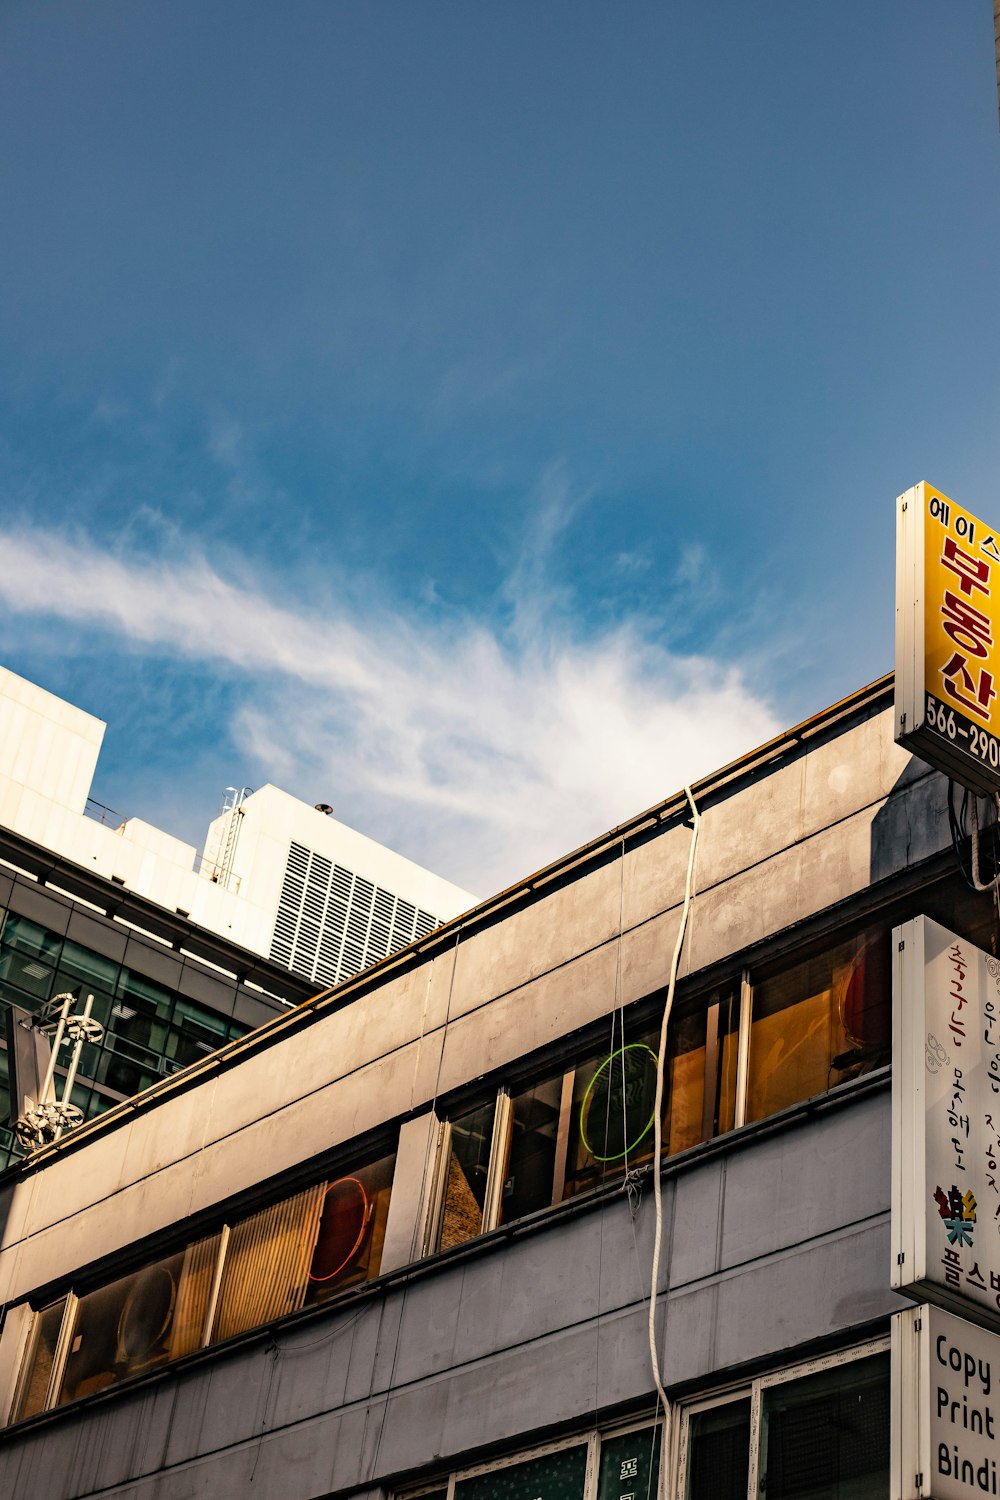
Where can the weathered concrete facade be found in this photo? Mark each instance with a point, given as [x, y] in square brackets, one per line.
[776, 1234]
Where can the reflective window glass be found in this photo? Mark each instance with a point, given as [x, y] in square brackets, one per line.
[529, 1172]
[125, 1075]
[96, 971]
[826, 1437]
[351, 1229]
[31, 975]
[188, 1045]
[719, 1452]
[140, 1321]
[143, 996]
[468, 1169]
[28, 937]
[38, 1361]
[553, 1476]
[191, 1016]
[629, 1465]
[611, 1123]
[819, 1023]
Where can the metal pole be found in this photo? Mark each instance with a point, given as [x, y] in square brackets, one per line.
[47, 1087]
[74, 1062]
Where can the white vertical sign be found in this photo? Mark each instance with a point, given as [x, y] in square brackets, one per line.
[946, 1121]
[946, 1407]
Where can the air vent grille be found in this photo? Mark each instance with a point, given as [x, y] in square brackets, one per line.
[332, 923]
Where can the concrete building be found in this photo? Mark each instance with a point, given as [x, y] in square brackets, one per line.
[182, 951]
[398, 1240]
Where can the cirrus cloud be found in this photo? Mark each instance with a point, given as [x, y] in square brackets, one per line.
[480, 751]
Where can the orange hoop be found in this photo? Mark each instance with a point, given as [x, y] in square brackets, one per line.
[365, 1207]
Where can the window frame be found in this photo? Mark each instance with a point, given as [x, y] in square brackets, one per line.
[754, 1389]
[77, 1289]
[592, 1439]
[742, 987]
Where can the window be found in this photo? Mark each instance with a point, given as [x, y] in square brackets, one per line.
[300, 1250]
[149, 1030]
[140, 1321]
[568, 1132]
[593, 1466]
[818, 1431]
[819, 1022]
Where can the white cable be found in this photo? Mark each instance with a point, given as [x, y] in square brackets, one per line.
[665, 1455]
[981, 885]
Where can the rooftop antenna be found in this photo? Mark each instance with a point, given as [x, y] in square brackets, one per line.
[43, 1117]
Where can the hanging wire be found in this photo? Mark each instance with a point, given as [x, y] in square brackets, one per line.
[963, 823]
[665, 1455]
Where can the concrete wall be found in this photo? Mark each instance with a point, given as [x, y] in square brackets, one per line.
[542, 1328]
[770, 1244]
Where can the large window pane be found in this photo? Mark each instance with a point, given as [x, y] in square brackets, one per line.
[38, 1361]
[351, 1230]
[719, 1452]
[144, 996]
[28, 937]
[819, 1023]
[827, 1437]
[95, 971]
[629, 1464]
[125, 1075]
[534, 1147]
[140, 1321]
[554, 1476]
[468, 1169]
[611, 1126]
[700, 1082]
[28, 974]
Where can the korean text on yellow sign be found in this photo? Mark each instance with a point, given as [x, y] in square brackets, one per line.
[948, 629]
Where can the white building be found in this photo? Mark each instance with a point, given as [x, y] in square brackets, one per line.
[278, 878]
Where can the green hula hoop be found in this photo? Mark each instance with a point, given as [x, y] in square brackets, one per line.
[629, 1145]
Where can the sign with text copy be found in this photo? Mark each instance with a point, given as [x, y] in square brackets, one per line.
[946, 1121]
[945, 1420]
[947, 701]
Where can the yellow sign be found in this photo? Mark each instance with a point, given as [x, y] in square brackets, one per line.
[948, 637]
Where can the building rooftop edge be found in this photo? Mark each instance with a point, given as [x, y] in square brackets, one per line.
[673, 808]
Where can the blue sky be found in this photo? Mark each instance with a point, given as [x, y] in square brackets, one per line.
[481, 418]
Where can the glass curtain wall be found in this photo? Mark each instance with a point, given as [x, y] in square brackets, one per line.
[149, 1030]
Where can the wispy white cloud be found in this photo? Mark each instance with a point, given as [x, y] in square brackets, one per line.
[483, 753]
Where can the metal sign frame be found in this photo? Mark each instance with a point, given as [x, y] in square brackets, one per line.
[946, 1122]
[948, 603]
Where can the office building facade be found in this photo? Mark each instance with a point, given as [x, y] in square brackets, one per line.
[399, 1241]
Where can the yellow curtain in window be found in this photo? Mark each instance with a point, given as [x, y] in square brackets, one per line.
[267, 1263]
[195, 1285]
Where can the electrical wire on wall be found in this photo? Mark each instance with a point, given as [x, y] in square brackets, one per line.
[963, 821]
[665, 1454]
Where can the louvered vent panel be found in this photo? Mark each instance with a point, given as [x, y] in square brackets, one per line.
[289, 905]
[331, 923]
[402, 926]
[425, 924]
[311, 918]
[358, 915]
[331, 938]
[381, 926]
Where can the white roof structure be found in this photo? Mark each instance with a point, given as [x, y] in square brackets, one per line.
[279, 877]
